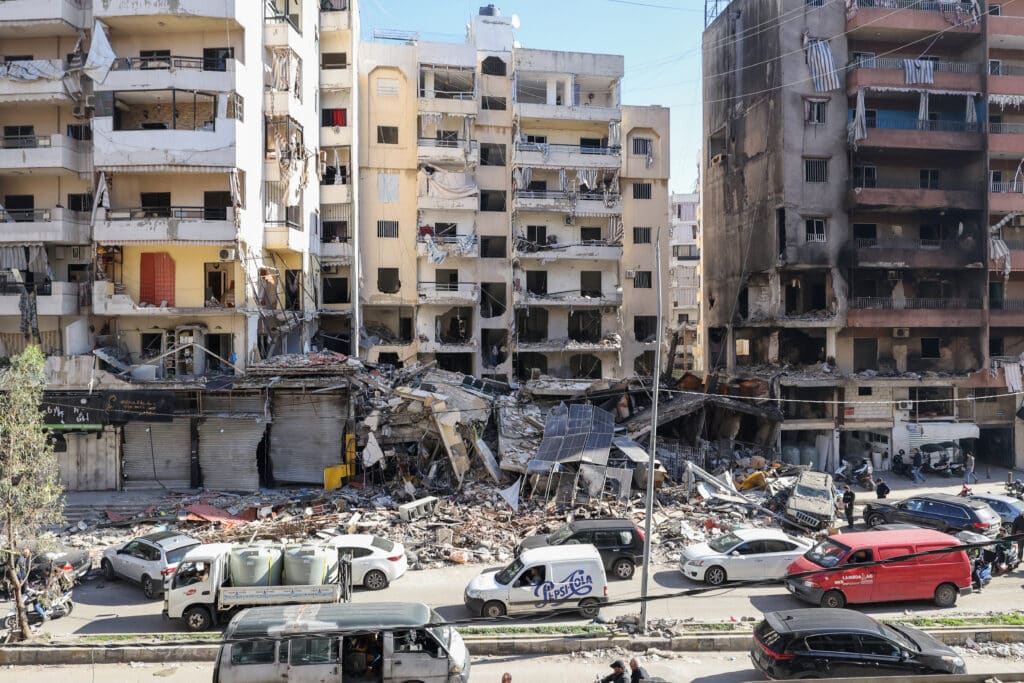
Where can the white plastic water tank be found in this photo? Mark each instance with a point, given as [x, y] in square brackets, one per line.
[255, 565]
[310, 565]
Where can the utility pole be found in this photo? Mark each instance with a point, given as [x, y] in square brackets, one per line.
[652, 445]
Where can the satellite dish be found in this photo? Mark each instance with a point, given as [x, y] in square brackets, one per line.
[515, 21]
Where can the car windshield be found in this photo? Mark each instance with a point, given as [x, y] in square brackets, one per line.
[174, 556]
[827, 553]
[810, 492]
[560, 535]
[724, 542]
[382, 544]
[505, 576]
[443, 634]
[900, 637]
[1017, 506]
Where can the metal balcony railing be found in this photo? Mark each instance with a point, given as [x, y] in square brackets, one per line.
[458, 143]
[1014, 245]
[910, 184]
[183, 212]
[465, 287]
[541, 194]
[1006, 70]
[25, 141]
[902, 243]
[886, 303]
[1006, 128]
[569, 149]
[896, 63]
[1003, 186]
[171, 63]
[28, 215]
[8, 288]
[930, 126]
[436, 94]
[1007, 304]
[448, 239]
[918, 5]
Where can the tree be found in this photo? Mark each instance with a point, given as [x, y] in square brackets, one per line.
[30, 490]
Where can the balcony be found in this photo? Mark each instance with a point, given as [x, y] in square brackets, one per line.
[109, 298]
[1007, 313]
[582, 204]
[1004, 197]
[32, 18]
[915, 253]
[177, 15]
[463, 104]
[34, 154]
[897, 132]
[57, 226]
[434, 151]
[887, 312]
[336, 79]
[336, 194]
[337, 251]
[888, 72]
[467, 346]
[574, 299]
[904, 20]
[1006, 140]
[41, 90]
[173, 223]
[609, 343]
[280, 32]
[171, 73]
[1006, 32]
[336, 136]
[1005, 79]
[448, 293]
[427, 202]
[885, 193]
[558, 112]
[454, 246]
[334, 16]
[1016, 248]
[566, 156]
[55, 298]
[589, 250]
[215, 148]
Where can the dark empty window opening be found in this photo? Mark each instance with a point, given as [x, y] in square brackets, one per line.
[930, 348]
[215, 205]
[334, 60]
[645, 328]
[590, 283]
[80, 202]
[537, 282]
[585, 326]
[537, 234]
[455, 362]
[643, 364]
[532, 325]
[641, 235]
[445, 229]
[642, 279]
[491, 103]
[336, 290]
[864, 391]
[492, 154]
[493, 247]
[387, 280]
[387, 229]
[799, 348]
[493, 66]
[591, 235]
[493, 299]
[806, 292]
[865, 233]
[641, 190]
[929, 178]
[492, 200]
[446, 280]
[455, 326]
[216, 58]
[530, 365]
[493, 347]
[995, 346]
[780, 227]
[743, 303]
[152, 344]
[156, 204]
[387, 135]
[389, 358]
[334, 231]
[585, 366]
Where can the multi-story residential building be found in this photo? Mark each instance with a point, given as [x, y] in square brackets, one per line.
[510, 208]
[685, 281]
[863, 219]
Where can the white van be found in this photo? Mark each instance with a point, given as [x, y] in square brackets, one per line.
[384, 642]
[539, 580]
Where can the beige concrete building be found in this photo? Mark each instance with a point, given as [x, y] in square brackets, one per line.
[685, 282]
[509, 208]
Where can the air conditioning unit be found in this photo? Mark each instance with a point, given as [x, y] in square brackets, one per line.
[227, 254]
[904, 405]
[901, 332]
[892, 275]
[89, 101]
[630, 274]
[330, 268]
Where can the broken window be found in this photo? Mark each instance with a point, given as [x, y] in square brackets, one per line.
[930, 347]
[336, 290]
[642, 279]
[530, 365]
[492, 154]
[642, 190]
[806, 292]
[387, 280]
[493, 301]
[643, 364]
[164, 110]
[532, 324]
[292, 290]
[797, 347]
[537, 282]
[492, 200]
[493, 66]
[590, 283]
[645, 328]
[491, 103]
[494, 347]
[387, 135]
[454, 326]
[152, 344]
[585, 366]
[493, 247]
[865, 354]
[641, 235]
[220, 286]
[780, 227]
[585, 326]
[388, 358]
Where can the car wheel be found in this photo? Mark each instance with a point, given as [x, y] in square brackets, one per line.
[493, 610]
[875, 519]
[833, 600]
[945, 595]
[715, 576]
[148, 589]
[197, 618]
[375, 580]
[69, 607]
[108, 570]
[589, 608]
[623, 569]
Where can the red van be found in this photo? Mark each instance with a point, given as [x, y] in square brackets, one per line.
[941, 577]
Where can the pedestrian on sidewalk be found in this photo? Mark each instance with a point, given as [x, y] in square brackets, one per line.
[918, 463]
[881, 489]
[969, 469]
[637, 672]
[848, 497]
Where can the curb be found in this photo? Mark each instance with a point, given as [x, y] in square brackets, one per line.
[158, 653]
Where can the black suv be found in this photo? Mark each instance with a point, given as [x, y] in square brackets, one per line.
[938, 511]
[619, 541]
[843, 643]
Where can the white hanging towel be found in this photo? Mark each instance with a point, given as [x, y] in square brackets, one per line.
[101, 56]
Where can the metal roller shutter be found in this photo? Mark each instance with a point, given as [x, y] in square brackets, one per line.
[162, 460]
[227, 453]
[306, 436]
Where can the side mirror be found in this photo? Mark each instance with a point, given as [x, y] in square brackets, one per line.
[735, 553]
[904, 655]
[120, 551]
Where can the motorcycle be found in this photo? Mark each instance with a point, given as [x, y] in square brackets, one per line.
[57, 606]
[1002, 560]
[863, 474]
[1015, 488]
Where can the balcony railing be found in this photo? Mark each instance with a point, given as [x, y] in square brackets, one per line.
[931, 126]
[26, 215]
[916, 5]
[1014, 245]
[194, 213]
[1007, 304]
[25, 141]
[436, 94]
[886, 303]
[1012, 186]
[449, 239]
[449, 143]
[896, 63]
[541, 194]
[428, 286]
[1006, 128]
[569, 149]
[1006, 70]
[172, 62]
[873, 243]
[910, 184]
[333, 5]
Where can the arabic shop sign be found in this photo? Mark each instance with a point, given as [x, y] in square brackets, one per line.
[105, 407]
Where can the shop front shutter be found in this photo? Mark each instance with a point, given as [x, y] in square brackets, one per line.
[164, 459]
[306, 436]
[227, 453]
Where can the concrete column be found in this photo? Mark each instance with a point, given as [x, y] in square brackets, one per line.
[552, 94]
[428, 84]
[830, 342]
[730, 353]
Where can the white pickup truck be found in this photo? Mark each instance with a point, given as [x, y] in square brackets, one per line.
[199, 592]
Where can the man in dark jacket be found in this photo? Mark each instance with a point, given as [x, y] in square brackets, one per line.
[636, 672]
[618, 674]
[848, 497]
[881, 489]
[918, 463]
[1016, 529]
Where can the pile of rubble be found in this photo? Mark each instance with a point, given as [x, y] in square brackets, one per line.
[990, 649]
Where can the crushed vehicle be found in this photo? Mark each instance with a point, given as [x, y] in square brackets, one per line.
[812, 502]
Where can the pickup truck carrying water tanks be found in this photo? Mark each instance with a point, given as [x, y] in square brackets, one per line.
[216, 579]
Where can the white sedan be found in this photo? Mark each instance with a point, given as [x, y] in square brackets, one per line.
[742, 554]
[376, 561]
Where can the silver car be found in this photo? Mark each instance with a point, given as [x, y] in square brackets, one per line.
[1007, 507]
[743, 554]
[147, 560]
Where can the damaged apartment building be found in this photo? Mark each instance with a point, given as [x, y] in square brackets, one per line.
[863, 207]
[685, 283]
[176, 188]
[510, 208]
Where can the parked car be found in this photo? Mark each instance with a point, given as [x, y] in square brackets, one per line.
[742, 554]
[147, 560]
[941, 577]
[842, 643]
[48, 555]
[940, 511]
[620, 542]
[1007, 507]
[376, 561]
[812, 502]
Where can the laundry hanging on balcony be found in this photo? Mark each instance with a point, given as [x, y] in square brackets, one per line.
[450, 185]
[821, 64]
[587, 177]
[971, 111]
[614, 134]
[521, 177]
[101, 56]
[918, 71]
[922, 111]
[101, 198]
[32, 70]
[1004, 101]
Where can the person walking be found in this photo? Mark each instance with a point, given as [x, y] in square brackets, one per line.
[848, 497]
[637, 672]
[918, 463]
[881, 489]
[969, 474]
